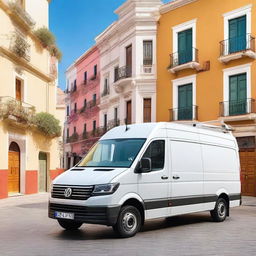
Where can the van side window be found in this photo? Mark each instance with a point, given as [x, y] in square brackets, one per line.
[156, 152]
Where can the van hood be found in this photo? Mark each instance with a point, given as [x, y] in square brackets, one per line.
[88, 176]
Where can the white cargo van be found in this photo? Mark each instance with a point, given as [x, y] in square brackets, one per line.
[147, 171]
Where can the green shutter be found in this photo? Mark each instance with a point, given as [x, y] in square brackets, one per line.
[185, 46]
[237, 94]
[237, 34]
[185, 102]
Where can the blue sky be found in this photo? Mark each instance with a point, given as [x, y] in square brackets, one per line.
[76, 23]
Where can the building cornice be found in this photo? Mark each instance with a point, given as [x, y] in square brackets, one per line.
[26, 65]
[174, 5]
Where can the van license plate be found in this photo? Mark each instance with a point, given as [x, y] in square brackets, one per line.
[64, 215]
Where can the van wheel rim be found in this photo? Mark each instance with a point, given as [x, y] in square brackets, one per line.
[129, 222]
[222, 210]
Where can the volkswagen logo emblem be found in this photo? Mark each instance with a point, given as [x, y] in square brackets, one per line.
[68, 192]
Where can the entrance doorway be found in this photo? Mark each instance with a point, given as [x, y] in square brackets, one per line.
[147, 111]
[14, 168]
[42, 172]
[129, 112]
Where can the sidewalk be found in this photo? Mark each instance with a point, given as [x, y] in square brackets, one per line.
[24, 199]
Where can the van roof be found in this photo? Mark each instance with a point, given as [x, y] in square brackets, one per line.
[144, 130]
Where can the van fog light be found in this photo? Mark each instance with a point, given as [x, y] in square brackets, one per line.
[105, 189]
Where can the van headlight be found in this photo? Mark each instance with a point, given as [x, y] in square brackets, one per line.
[105, 189]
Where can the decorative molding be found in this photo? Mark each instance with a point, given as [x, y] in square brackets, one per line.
[174, 5]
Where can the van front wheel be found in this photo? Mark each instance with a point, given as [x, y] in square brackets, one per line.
[128, 222]
[220, 211]
[69, 224]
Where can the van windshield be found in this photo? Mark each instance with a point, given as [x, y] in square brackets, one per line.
[113, 153]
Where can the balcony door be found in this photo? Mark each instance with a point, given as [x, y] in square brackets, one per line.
[147, 111]
[185, 46]
[185, 102]
[237, 34]
[129, 112]
[18, 90]
[129, 61]
[237, 94]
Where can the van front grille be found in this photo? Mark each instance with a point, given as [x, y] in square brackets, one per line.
[72, 192]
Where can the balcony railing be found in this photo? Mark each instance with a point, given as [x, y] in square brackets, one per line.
[238, 107]
[90, 106]
[237, 44]
[19, 46]
[188, 113]
[183, 57]
[11, 108]
[19, 12]
[123, 72]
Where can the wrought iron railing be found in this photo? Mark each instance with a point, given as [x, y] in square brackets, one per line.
[123, 72]
[237, 44]
[187, 113]
[183, 57]
[237, 107]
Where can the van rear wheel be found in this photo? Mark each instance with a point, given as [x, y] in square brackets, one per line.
[70, 224]
[128, 222]
[220, 211]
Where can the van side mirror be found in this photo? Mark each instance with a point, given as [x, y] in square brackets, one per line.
[144, 166]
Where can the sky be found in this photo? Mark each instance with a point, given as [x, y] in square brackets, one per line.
[76, 23]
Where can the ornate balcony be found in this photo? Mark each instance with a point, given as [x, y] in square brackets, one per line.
[184, 114]
[17, 111]
[239, 110]
[19, 46]
[123, 72]
[236, 48]
[184, 60]
[19, 14]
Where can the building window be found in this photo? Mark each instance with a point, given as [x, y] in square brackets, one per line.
[105, 121]
[18, 90]
[75, 107]
[94, 99]
[85, 128]
[184, 99]
[237, 91]
[184, 43]
[67, 110]
[75, 86]
[85, 77]
[85, 103]
[95, 71]
[237, 30]
[116, 116]
[94, 125]
[106, 87]
[74, 129]
[67, 133]
[116, 75]
[147, 53]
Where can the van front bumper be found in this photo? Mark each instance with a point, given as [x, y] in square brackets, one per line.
[104, 215]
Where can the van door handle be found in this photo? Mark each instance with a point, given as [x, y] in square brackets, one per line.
[164, 177]
[176, 177]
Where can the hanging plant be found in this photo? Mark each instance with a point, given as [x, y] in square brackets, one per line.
[55, 52]
[45, 36]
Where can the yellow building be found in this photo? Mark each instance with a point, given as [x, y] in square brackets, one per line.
[206, 69]
[28, 158]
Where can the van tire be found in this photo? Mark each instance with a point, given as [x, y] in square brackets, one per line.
[220, 211]
[128, 222]
[69, 224]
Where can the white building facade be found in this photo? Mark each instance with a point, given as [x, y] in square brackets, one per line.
[128, 65]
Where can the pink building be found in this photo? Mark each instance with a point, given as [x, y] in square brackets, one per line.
[83, 94]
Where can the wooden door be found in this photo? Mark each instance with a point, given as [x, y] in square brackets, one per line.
[129, 61]
[129, 112]
[18, 90]
[14, 168]
[248, 173]
[147, 111]
[42, 172]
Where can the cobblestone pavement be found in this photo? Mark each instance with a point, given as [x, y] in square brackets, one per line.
[26, 230]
